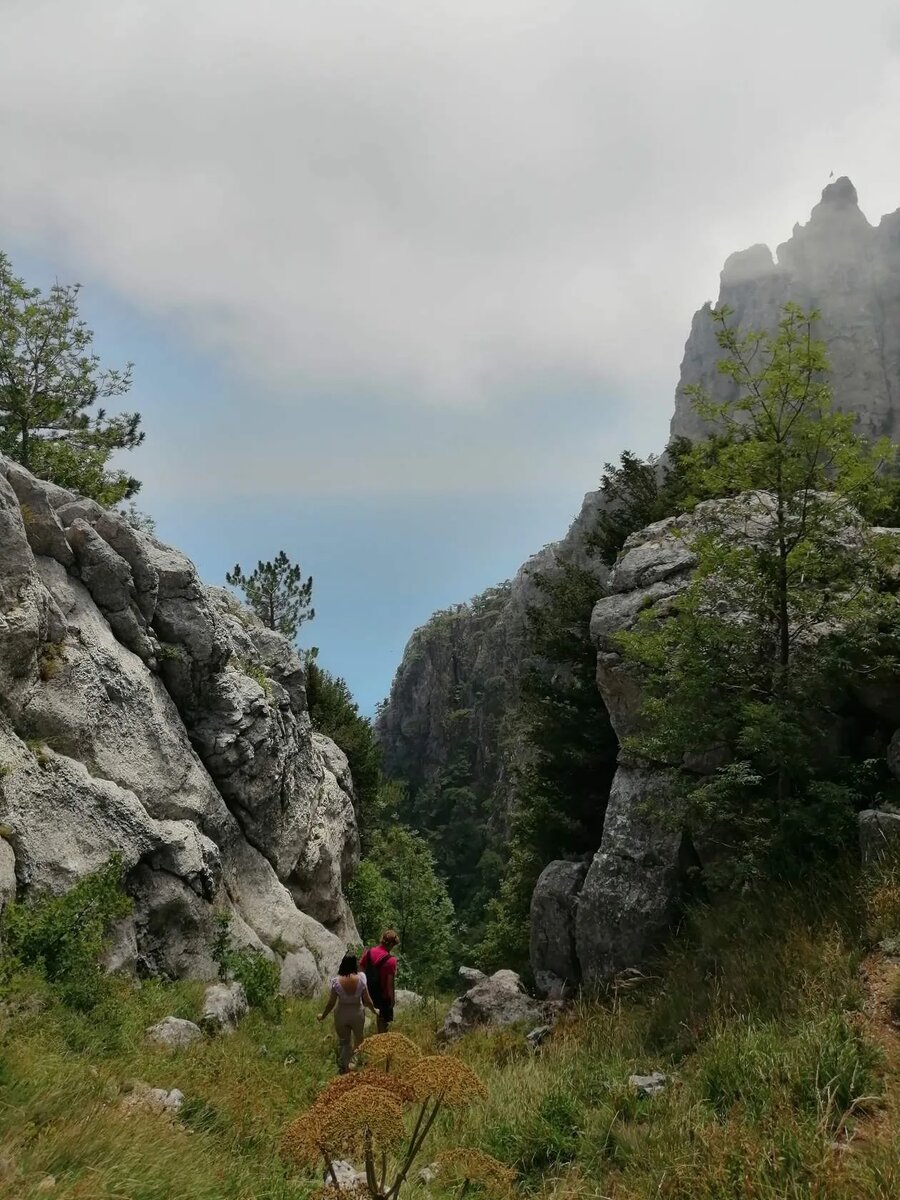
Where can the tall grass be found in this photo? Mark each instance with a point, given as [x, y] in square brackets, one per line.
[755, 1013]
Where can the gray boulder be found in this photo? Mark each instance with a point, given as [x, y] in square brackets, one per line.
[469, 976]
[879, 835]
[554, 961]
[495, 1000]
[224, 1007]
[156, 1101]
[403, 998]
[174, 1032]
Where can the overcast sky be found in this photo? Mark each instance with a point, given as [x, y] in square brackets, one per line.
[398, 277]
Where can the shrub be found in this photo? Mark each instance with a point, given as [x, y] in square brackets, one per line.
[543, 1137]
[63, 936]
[259, 976]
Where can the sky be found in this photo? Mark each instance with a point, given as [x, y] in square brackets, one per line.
[398, 278]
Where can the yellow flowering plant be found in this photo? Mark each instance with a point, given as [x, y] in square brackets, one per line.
[362, 1114]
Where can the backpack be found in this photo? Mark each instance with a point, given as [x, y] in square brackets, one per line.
[373, 976]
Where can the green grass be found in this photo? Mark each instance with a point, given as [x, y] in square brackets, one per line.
[755, 1013]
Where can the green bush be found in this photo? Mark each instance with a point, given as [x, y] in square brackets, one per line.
[63, 937]
[538, 1139]
[259, 976]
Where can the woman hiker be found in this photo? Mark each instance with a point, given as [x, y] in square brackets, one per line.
[349, 992]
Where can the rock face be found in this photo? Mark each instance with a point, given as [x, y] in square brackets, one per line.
[458, 679]
[839, 264]
[147, 714]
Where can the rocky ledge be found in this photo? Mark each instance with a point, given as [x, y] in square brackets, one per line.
[145, 713]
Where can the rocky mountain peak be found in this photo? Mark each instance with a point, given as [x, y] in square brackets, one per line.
[838, 264]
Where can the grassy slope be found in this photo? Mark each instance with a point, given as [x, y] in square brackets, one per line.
[782, 1067]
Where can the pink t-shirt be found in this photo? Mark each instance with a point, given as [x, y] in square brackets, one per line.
[349, 999]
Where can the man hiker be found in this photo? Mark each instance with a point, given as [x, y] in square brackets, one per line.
[380, 967]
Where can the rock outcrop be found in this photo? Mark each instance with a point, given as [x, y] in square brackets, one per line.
[847, 269]
[147, 714]
[634, 884]
[837, 263]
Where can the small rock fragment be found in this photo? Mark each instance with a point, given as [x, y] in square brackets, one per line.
[649, 1085]
[538, 1036]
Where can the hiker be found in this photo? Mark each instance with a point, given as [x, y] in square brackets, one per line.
[380, 967]
[349, 992]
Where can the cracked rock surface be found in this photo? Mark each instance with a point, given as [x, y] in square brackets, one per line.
[145, 713]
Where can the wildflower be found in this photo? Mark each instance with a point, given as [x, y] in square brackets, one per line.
[445, 1078]
[391, 1049]
[473, 1166]
[342, 1084]
[363, 1116]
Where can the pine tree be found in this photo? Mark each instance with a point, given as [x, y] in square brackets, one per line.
[50, 380]
[277, 593]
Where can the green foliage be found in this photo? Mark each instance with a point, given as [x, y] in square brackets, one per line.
[754, 1012]
[452, 810]
[638, 492]
[50, 380]
[256, 673]
[822, 1069]
[565, 775]
[398, 886]
[260, 976]
[369, 896]
[334, 712]
[277, 593]
[64, 936]
[547, 1137]
[791, 596]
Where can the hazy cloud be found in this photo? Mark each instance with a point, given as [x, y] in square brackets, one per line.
[437, 207]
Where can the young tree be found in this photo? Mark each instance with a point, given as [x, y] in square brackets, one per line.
[334, 712]
[277, 593]
[50, 380]
[785, 603]
[398, 886]
[564, 779]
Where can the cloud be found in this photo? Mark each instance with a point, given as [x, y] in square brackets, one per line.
[432, 206]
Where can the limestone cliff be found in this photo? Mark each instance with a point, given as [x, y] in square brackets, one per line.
[588, 925]
[144, 713]
[839, 264]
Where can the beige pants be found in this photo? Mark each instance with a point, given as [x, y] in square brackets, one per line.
[350, 1027]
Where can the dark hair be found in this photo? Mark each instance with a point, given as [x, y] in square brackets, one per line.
[349, 965]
